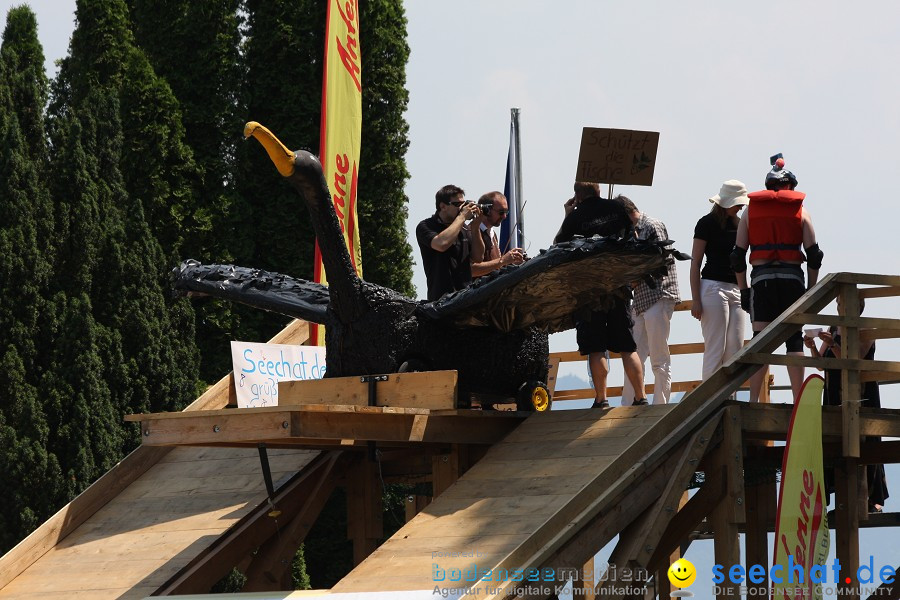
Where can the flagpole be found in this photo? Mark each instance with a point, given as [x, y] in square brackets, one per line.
[520, 205]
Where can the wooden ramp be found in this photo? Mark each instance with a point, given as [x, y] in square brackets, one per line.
[157, 512]
[554, 492]
[157, 525]
[525, 492]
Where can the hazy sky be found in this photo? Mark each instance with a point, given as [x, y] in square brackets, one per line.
[725, 84]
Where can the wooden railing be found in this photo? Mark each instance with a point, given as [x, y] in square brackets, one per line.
[833, 285]
[557, 358]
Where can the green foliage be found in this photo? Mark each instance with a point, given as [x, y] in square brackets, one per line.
[206, 82]
[148, 167]
[382, 203]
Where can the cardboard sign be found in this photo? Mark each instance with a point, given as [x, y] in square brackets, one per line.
[259, 367]
[617, 156]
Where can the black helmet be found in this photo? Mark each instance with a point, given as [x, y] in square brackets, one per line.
[779, 176]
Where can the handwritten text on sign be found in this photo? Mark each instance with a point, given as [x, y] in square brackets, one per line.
[617, 156]
[259, 367]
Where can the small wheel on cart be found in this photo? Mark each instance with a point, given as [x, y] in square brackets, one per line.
[533, 396]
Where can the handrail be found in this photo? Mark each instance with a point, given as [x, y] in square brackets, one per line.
[883, 286]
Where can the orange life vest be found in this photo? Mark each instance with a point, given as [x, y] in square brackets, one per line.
[776, 231]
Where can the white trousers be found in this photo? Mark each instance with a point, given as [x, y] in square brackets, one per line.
[722, 323]
[651, 332]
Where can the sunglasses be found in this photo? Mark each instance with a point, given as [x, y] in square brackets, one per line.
[456, 203]
[503, 212]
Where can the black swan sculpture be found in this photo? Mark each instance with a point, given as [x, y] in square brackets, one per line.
[494, 333]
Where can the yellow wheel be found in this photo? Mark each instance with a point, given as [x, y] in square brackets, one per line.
[534, 396]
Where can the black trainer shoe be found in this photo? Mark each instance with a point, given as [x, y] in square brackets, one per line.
[641, 402]
[601, 404]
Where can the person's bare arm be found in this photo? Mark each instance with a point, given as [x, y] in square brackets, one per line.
[696, 258]
[742, 241]
[809, 240]
[513, 257]
[445, 239]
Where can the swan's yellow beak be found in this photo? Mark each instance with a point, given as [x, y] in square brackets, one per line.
[278, 152]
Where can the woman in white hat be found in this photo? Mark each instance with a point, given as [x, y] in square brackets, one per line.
[714, 289]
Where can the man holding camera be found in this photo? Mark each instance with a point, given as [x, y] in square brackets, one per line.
[446, 244]
[494, 208]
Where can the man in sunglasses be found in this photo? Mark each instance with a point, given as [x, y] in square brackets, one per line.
[446, 243]
[494, 208]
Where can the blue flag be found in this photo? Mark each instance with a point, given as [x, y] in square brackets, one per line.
[512, 228]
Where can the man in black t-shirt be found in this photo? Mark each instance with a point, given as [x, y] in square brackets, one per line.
[445, 242]
[587, 214]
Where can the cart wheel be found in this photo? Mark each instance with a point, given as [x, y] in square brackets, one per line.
[533, 396]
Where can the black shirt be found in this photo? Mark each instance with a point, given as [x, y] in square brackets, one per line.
[595, 216]
[446, 271]
[719, 244]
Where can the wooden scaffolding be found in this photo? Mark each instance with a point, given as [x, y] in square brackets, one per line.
[510, 491]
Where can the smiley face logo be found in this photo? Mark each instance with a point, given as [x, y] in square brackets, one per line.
[682, 573]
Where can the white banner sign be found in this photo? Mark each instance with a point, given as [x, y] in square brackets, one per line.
[259, 367]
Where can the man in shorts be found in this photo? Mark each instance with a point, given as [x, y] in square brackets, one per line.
[776, 228]
[587, 214]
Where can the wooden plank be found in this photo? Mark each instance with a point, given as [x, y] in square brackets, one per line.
[552, 372]
[662, 512]
[270, 568]
[879, 292]
[867, 279]
[843, 320]
[847, 523]
[858, 364]
[850, 385]
[432, 389]
[216, 559]
[614, 391]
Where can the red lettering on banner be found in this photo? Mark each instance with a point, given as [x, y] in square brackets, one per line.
[342, 166]
[349, 55]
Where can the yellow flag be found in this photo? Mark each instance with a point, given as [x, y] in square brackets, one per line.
[801, 527]
[341, 128]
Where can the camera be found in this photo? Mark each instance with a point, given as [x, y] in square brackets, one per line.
[486, 208]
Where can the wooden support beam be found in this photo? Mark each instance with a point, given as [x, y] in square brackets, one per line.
[662, 512]
[845, 320]
[851, 389]
[661, 574]
[688, 520]
[415, 503]
[847, 524]
[270, 568]
[433, 389]
[625, 508]
[365, 511]
[760, 512]
[303, 425]
[447, 467]
[208, 567]
[727, 462]
[882, 366]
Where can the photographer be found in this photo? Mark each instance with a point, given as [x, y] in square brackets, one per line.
[494, 209]
[446, 244]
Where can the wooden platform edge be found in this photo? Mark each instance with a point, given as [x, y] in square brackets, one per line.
[113, 482]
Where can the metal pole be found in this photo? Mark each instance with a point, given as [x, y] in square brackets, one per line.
[520, 204]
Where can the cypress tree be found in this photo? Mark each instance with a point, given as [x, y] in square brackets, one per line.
[206, 82]
[283, 88]
[29, 474]
[382, 204]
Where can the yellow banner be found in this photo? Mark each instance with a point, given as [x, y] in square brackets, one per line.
[801, 528]
[341, 128]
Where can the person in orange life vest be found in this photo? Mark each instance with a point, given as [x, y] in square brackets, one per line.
[774, 227]
[494, 211]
